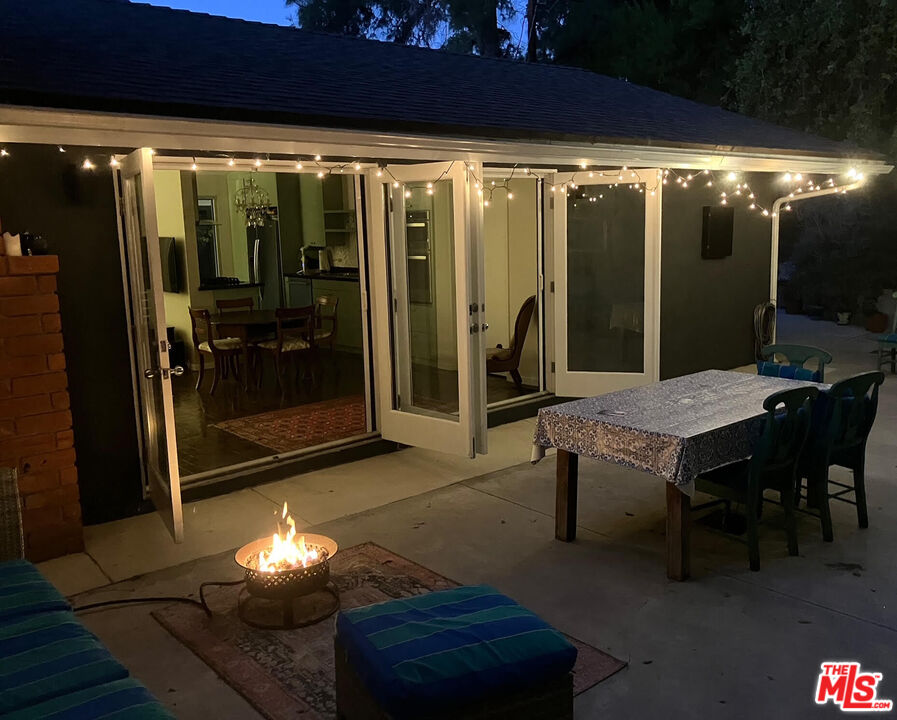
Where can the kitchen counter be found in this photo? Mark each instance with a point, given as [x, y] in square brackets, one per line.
[340, 275]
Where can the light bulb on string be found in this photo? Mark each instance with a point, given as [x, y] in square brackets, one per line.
[317, 158]
[231, 162]
[4, 152]
[61, 149]
[298, 165]
[395, 183]
[87, 164]
[113, 162]
[194, 167]
[358, 166]
[787, 177]
[510, 195]
[258, 163]
[407, 193]
[731, 176]
[320, 174]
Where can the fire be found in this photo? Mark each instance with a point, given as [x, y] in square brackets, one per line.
[286, 551]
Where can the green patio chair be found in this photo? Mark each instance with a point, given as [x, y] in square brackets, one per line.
[841, 425]
[796, 356]
[773, 466]
[887, 345]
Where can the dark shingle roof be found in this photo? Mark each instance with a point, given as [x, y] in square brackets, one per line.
[116, 56]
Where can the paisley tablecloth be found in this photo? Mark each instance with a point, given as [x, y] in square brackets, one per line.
[675, 429]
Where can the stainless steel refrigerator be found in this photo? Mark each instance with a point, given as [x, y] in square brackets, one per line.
[265, 263]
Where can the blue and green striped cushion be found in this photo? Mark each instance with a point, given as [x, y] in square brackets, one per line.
[453, 646]
[23, 591]
[791, 372]
[889, 339]
[119, 700]
[47, 655]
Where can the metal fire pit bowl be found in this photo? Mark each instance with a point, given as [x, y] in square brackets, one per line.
[285, 586]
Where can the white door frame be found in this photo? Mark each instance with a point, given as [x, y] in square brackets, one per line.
[151, 344]
[467, 434]
[581, 384]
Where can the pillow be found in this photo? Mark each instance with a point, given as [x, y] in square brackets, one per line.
[790, 372]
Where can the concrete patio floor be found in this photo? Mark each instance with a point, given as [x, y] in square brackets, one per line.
[729, 643]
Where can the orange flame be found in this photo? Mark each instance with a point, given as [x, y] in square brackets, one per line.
[286, 551]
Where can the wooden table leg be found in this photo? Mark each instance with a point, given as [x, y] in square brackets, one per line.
[678, 556]
[565, 500]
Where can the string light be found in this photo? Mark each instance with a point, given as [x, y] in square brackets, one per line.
[231, 162]
[113, 162]
[298, 165]
[317, 158]
[258, 163]
[4, 152]
[87, 165]
[61, 149]
[320, 174]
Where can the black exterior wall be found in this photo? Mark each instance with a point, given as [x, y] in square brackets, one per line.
[46, 192]
[707, 306]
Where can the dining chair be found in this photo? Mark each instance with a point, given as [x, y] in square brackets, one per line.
[224, 351]
[772, 466]
[326, 314]
[796, 356]
[295, 336]
[499, 359]
[841, 424]
[887, 345]
[234, 304]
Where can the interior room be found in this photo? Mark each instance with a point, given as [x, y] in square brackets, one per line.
[239, 249]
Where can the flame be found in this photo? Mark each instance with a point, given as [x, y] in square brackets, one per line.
[286, 551]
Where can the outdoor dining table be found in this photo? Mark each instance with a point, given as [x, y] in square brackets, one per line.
[675, 429]
[244, 324]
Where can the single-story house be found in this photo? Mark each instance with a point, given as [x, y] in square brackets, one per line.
[584, 233]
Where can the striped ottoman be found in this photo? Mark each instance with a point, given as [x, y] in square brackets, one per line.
[468, 652]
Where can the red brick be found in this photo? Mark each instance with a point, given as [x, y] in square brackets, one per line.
[17, 285]
[4, 268]
[42, 462]
[38, 482]
[65, 439]
[68, 476]
[47, 344]
[56, 362]
[27, 365]
[36, 384]
[5, 388]
[33, 265]
[72, 510]
[46, 284]
[7, 428]
[21, 406]
[60, 497]
[51, 323]
[25, 325]
[60, 400]
[29, 305]
[47, 422]
[42, 517]
[24, 445]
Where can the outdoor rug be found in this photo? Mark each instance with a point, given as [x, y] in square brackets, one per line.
[302, 426]
[289, 673]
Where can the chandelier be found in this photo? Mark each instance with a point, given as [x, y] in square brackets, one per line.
[252, 201]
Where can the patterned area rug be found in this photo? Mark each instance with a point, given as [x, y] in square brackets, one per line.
[302, 426]
[289, 674]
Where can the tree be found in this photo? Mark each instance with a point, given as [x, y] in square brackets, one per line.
[461, 25]
[824, 66]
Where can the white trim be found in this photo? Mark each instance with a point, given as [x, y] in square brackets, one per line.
[40, 125]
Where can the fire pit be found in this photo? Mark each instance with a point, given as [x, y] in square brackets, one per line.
[284, 569]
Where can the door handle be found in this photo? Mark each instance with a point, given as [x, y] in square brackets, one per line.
[177, 370]
[150, 373]
[485, 327]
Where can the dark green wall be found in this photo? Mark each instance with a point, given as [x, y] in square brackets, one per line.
[707, 306]
[46, 192]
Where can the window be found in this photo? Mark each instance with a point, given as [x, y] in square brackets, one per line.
[207, 239]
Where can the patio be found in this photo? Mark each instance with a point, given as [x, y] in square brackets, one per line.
[737, 639]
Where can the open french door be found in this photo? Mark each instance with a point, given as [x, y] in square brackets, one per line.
[606, 267]
[137, 220]
[426, 260]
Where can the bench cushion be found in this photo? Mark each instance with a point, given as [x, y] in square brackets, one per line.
[24, 591]
[451, 647]
[118, 700]
[791, 372]
[889, 339]
[45, 655]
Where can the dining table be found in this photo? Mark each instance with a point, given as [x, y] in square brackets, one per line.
[244, 324]
[675, 429]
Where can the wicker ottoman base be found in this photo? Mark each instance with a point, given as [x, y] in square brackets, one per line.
[553, 701]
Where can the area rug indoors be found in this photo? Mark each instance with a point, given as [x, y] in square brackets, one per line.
[289, 673]
[302, 426]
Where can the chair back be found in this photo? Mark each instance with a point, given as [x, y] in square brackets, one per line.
[521, 325]
[230, 304]
[326, 308]
[796, 357]
[295, 324]
[788, 416]
[852, 405]
[200, 326]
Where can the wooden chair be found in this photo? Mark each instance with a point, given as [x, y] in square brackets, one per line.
[499, 359]
[796, 356]
[840, 430]
[234, 304]
[326, 312]
[295, 335]
[773, 465]
[224, 351]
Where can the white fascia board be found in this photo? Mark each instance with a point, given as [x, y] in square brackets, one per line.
[63, 127]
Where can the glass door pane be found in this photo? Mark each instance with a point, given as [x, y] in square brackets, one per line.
[141, 241]
[607, 267]
[427, 314]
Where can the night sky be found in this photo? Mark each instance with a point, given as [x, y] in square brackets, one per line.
[269, 11]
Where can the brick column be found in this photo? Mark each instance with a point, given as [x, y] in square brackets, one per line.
[35, 422]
